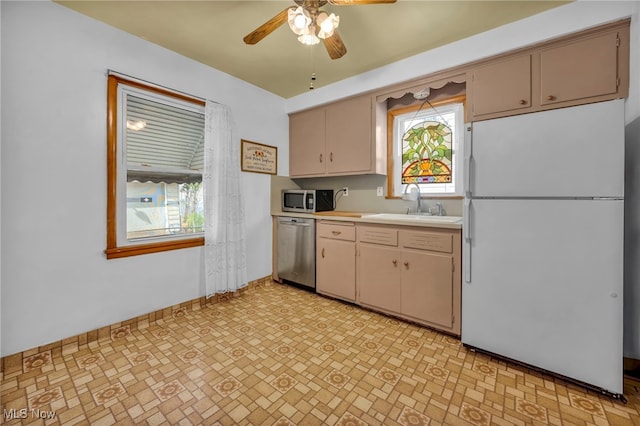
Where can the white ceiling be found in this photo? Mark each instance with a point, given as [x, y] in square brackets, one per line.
[211, 32]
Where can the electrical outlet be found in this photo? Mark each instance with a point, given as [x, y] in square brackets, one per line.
[345, 191]
[379, 192]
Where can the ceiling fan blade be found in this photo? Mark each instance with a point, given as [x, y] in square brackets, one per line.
[334, 45]
[267, 28]
[357, 2]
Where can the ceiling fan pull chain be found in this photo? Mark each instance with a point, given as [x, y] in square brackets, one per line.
[313, 78]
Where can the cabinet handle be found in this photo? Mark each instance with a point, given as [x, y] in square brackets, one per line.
[406, 264]
[323, 252]
[551, 98]
[331, 157]
[336, 232]
[395, 262]
[321, 158]
[523, 102]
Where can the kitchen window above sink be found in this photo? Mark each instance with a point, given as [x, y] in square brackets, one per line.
[426, 142]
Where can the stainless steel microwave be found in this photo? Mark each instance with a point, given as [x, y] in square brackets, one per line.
[307, 200]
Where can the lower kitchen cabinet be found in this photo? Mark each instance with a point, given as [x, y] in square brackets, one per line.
[379, 277]
[427, 287]
[336, 260]
[413, 273]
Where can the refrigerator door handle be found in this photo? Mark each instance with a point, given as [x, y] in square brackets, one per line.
[467, 160]
[466, 229]
[466, 220]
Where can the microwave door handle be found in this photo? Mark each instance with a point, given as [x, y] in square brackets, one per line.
[305, 201]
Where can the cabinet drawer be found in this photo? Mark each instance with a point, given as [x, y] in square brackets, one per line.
[376, 235]
[427, 241]
[345, 232]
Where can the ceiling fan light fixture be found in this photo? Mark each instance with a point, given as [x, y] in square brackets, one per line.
[299, 20]
[309, 36]
[327, 24]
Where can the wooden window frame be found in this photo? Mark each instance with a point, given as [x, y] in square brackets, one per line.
[114, 251]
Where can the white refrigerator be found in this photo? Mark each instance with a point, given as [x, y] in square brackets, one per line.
[543, 241]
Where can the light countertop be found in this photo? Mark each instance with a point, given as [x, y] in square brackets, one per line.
[398, 219]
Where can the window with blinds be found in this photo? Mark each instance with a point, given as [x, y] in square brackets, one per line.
[155, 191]
[164, 145]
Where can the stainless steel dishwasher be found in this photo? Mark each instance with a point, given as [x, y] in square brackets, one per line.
[297, 250]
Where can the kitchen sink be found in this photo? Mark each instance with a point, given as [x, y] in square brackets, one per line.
[399, 217]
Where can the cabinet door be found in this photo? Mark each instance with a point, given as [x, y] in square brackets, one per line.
[583, 69]
[427, 287]
[503, 86]
[336, 268]
[379, 277]
[348, 136]
[306, 143]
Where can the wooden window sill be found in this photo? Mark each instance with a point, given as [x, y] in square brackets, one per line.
[135, 250]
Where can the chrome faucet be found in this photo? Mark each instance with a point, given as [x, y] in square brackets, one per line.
[406, 189]
[440, 209]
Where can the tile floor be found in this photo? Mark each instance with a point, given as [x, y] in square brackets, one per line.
[278, 355]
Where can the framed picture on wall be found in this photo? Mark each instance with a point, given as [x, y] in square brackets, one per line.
[258, 158]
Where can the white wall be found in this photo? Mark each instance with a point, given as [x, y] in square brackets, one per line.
[553, 23]
[56, 282]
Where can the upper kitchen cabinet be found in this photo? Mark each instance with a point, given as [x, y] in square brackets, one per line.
[348, 136]
[333, 140]
[306, 143]
[590, 66]
[586, 68]
[502, 86]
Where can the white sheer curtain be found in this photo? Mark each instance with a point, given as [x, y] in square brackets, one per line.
[225, 226]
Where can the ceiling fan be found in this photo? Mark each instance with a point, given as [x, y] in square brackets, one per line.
[311, 24]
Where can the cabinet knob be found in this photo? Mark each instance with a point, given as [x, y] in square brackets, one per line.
[321, 158]
[395, 262]
[336, 232]
[331, 157]
[551, 98]
[523, 102]
[323, 252]
[406, 264]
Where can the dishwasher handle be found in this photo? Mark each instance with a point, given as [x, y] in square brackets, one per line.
[293, 223]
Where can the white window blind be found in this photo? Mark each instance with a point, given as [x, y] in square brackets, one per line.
[164, 142]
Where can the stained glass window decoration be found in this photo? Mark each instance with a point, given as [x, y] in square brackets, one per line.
[427, 149]
[427, 146]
